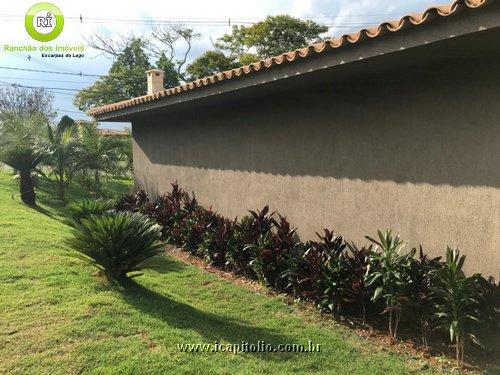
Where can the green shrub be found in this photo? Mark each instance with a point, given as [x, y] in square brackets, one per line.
[116, 242]
[457, 300]
[84, 208]
[263, 245]
[420, 305]
[391, 275]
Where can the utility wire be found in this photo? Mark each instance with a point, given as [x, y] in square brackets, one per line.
[43, 87]
[52, 72]
[207, 21]
[45, 80]
[36, 61]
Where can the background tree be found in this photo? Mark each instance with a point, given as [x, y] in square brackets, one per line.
[270, 37]
[62, 159]
[210, 63]
[247, 44]
[20, 101]
[98, 155]
[167, 45]
[126, 78]
[23, 149]
[172, 77]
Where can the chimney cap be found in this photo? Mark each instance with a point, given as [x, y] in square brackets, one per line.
[155, 71]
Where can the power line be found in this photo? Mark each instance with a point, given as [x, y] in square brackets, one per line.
[52, 72]
[45, 80]
[51, 89]
[41, 87]
[36, 61]
[7, 84]
[203, 21]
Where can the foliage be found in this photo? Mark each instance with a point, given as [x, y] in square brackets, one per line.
[390, 278]
[58, 299]
[83, 209]
[338, 276]
[23, 149]
[62, 158]
[270, 37]
[133, 202]
[171, 76]
[209, 63]
[216, 241]
[457, 301]
[132, 56]
[334, 271]
[98, 154]
[26, 102]
[357, 290]
[126, 78]
[271, 251]
[116, 242]
[420, 304]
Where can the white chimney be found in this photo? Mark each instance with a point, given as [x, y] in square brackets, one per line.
[155, 80]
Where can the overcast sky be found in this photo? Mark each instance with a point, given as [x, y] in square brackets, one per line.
[348, 15]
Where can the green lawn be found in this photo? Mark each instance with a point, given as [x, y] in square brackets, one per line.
[58, 316]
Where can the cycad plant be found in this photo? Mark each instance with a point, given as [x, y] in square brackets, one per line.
[116, 242]
[83, 209]
[390, 277]
[22, 148]
[456, 300]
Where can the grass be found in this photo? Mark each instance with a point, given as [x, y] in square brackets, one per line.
[58, 316]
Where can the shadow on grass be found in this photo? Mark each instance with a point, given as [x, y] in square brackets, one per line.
[47, 196]
[211, 327]
[162, 264]
[46, 212]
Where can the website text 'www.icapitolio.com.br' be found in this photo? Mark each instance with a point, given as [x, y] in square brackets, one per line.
[246, 347]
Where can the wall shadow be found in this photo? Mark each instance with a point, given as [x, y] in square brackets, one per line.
[436, 125]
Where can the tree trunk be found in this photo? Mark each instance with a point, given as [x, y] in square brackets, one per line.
[26, 188]
[62, 195]
[398, 314]
[364, 312]
[390, 323]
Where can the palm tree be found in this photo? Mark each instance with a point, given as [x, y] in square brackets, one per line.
[98, 154]
[22, 148]
[63, 145]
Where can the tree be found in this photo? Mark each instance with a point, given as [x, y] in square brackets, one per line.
[132, 58]
[271, 37]
[171, 77]
[209, 63]
[62, 158]
[98, 155]
[125, 79]
[21, 101]
[22, 148]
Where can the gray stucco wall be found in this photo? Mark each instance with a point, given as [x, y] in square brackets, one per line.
[415, 150]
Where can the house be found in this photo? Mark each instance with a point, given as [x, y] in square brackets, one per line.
[396, 126]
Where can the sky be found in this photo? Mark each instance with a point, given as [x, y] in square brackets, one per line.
[101, 16]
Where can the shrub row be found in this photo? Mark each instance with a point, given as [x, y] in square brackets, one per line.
[427, 293]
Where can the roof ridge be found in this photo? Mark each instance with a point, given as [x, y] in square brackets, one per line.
[291, 56]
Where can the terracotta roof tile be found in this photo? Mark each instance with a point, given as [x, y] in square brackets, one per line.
[287, 57]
